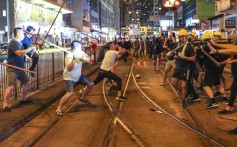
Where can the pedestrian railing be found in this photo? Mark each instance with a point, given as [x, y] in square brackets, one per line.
[49, 69]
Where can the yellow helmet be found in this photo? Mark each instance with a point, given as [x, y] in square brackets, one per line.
[207, 35]
[194, 34]
[217, 33]
[183, 32]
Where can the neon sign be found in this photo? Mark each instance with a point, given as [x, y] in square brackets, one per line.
[171, 3]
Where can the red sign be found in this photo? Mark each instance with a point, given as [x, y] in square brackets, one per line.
[171, 3]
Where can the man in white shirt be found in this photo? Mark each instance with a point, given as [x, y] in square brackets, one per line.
[72, 75]
[105, 69]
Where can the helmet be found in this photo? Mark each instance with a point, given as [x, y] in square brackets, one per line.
[183, 32]
[207, 35]
[194, 34]
[217, 33]
[30, 28]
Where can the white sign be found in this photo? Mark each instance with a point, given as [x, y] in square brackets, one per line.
[134, 29]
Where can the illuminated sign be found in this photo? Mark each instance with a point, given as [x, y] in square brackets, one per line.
[171, 3]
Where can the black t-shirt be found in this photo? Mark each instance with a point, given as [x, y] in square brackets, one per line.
[158, 47]
[12, 58]
[172, 46]
[189, 52]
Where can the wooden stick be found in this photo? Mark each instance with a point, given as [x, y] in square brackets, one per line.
[63, 49]
[210, 57]
[15, 67]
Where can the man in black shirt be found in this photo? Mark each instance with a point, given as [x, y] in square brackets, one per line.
[212, 75]
[184, 57]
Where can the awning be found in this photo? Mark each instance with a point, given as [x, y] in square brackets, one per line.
[216, 17]
[49, 4]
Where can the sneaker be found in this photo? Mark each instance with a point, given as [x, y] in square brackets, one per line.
[217, 94]
[212, 105]
[233, 131]
[7, 109]
[225, 101]
[195, 99]
[153, 68]
[121, 98]
[184, 105]
[227, 90]
[224, 112]
[157, 69]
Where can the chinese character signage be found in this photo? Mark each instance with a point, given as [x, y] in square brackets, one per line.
[230, 23]
[171, 3]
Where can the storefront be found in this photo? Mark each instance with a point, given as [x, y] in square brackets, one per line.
[42, 18]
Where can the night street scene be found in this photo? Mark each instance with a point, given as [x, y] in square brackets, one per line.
[118, 73]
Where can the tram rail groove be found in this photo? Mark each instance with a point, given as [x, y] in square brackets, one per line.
[117, 118]
[175, 118]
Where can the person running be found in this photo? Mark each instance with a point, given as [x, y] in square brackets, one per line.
[183, 63]
[16, 54]
[72, 75]
[105, 69]
[26, 42]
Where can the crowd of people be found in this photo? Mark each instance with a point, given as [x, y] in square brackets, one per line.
[203, 60]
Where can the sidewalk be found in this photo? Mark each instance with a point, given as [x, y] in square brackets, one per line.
[21, 114]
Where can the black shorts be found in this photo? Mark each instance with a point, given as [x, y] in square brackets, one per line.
[212, 76]
[181, 74]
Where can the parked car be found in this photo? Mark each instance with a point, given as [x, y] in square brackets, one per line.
[3, 51]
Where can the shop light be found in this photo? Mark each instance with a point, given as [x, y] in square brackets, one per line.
[4, 13]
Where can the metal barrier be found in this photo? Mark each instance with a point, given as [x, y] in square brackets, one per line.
[50, 68]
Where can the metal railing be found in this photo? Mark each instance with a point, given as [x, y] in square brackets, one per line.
[49, 69]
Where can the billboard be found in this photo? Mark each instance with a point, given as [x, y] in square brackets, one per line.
[134, 29]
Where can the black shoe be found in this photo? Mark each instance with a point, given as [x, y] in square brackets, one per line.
[7, 109]
[184, 105]
[26, 101]
[227, 90]
[212, 105]
[217, 94]
[121, 98]
[195, 99]
[224, 112]
[233, 131]
[225, 100]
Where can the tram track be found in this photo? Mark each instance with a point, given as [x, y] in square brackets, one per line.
[117, 117]
[202, 131]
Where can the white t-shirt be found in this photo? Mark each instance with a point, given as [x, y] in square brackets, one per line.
[109, 59]
[75, 74]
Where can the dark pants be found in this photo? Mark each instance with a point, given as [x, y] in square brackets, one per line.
[233, 89]
[191, 89]
[108, 74]
[125, 56]
[35, 57]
